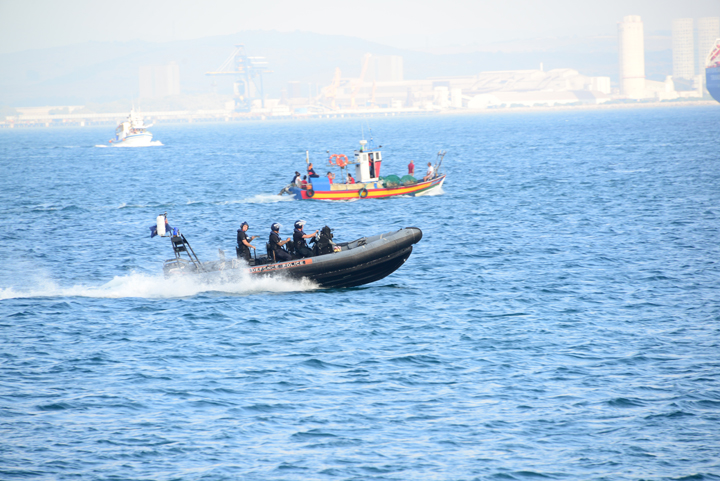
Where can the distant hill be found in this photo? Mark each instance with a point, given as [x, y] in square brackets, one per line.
[97, 72]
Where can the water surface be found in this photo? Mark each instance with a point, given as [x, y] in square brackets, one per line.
[559, 319]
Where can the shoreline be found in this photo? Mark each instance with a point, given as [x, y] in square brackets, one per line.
[185, 117]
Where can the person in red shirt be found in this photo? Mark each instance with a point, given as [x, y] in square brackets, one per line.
[411, 168]
[350, 179]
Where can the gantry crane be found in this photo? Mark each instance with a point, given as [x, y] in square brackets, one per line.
[330, 92]
[245, 70]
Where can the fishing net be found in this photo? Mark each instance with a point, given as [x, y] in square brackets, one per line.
[408, 180]
[391, 181]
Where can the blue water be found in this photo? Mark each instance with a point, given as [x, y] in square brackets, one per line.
[560, 318]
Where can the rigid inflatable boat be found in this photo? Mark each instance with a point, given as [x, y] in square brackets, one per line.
[345, 264]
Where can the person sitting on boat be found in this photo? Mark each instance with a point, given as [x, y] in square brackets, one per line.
[311, 172]
[276, 245]
[303, 182]
[296, 179]
[244, 242]
[350, 179]
[411, 168]
[331, 177]
[299, 237]
[430, 172]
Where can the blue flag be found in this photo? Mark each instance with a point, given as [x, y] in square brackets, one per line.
[153, 231]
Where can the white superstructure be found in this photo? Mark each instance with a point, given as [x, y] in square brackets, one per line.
[132, 132]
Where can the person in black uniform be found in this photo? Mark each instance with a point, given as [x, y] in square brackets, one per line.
[276, 244]
[244, 242]
[299, 237]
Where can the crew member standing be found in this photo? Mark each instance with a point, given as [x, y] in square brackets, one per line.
[299, 237]
[244, 242]
[411, 168]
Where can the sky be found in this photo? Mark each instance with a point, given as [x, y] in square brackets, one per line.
[416, 24]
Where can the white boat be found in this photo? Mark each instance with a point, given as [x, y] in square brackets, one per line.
[133, 133]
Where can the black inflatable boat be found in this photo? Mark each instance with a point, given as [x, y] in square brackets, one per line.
[346, 264]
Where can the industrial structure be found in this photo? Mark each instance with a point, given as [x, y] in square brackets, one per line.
[247, 71]
[382, 89]
[483, 90]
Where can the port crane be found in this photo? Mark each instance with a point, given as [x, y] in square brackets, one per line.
[246, 70]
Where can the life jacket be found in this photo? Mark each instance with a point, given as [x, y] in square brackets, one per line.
[275, 241]
[299, 240]
[240, 237]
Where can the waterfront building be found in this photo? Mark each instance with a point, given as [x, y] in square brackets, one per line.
[385, 68]
[159, 80]
[683, 48]
[632, 57]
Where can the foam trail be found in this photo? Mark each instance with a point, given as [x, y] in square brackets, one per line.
[153, 143]
[158, 287]
[264, 199]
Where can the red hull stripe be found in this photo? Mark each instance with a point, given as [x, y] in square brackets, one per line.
[372, 193]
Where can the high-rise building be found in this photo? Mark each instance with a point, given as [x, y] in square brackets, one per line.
[683, 48]
[385, 68]
[294, 89]
[708, 32]
[632, 57]
[159, 80]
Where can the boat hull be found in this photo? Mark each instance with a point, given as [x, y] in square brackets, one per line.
[361, 262]
[369, 191]
[134, 140]
[712, 82]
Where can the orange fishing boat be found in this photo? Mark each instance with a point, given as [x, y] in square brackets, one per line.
[367, 182]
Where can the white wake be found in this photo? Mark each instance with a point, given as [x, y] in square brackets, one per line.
[158, 287]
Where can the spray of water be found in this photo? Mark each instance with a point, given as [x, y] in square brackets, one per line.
[237, 283]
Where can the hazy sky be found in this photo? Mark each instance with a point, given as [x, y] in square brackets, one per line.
[30, 24]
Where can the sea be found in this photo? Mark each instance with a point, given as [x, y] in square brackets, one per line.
[559, 319]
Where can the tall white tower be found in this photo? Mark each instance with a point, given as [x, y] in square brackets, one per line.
[683, 48]
[632, 57]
